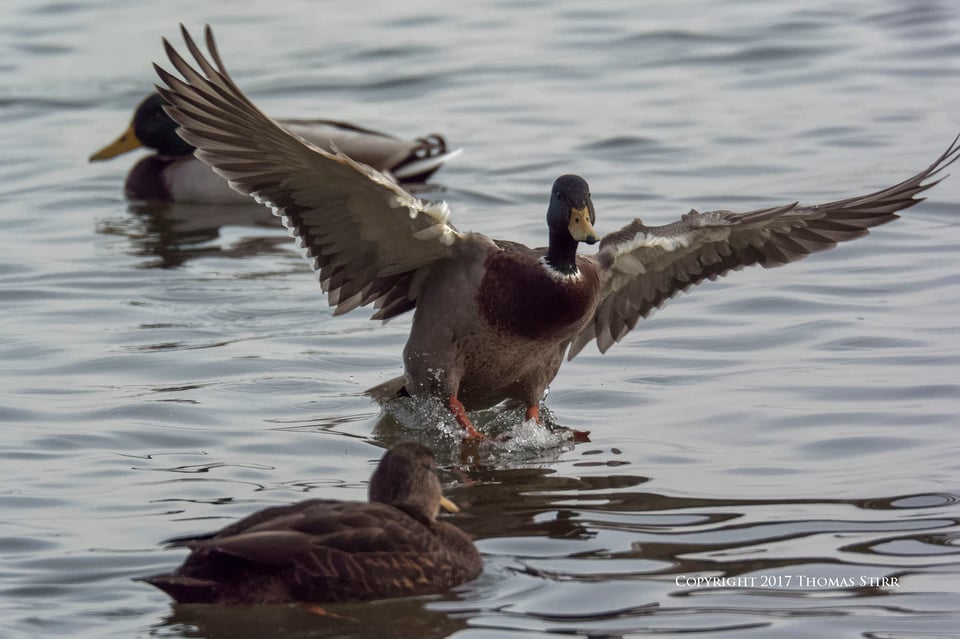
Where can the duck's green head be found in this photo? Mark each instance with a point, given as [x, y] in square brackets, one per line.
[151, 127]
[570, 218]
[571, 210]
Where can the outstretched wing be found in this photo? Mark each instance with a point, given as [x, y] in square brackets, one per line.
[370, 240]
[643, 266]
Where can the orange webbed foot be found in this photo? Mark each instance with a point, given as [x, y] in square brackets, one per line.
[460, 413]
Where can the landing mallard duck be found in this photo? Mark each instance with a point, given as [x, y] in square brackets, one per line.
[172, 174]
[320, 551]
[493, 319]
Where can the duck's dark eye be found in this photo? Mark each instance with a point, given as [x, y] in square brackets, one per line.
[560, 196]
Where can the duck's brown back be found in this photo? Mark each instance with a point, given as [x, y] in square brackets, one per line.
[320, 551]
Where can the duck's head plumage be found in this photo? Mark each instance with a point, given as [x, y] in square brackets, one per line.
[406, 478]
[570, 218]
[151, 127]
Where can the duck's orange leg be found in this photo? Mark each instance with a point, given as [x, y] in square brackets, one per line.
[533, 412]
[460, 413]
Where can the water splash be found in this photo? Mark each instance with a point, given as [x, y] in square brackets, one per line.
[509, 438]
[531, 435]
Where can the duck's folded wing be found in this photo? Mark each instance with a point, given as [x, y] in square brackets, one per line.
[360, 541]
[370, 240]
[643, 266]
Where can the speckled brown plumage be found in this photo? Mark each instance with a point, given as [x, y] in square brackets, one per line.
[320, 551]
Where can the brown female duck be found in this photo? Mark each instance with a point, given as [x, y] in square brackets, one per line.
[492, 319]
[320, 551]
[172, 174]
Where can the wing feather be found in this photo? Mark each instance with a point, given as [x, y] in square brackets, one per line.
[644, 266]
[366, 236]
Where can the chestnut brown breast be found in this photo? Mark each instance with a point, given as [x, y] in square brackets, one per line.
[519, 297]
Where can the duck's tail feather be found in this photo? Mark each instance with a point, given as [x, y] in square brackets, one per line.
[390, 389]
[185, 589]
[430, 154]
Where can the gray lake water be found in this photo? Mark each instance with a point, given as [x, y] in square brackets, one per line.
[165, 370]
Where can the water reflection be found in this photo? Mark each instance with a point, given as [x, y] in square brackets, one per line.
[171, 234]
[292, 622]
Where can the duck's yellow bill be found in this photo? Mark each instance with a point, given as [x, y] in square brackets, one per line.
[128, 141]
[580, 227]
[448, 505]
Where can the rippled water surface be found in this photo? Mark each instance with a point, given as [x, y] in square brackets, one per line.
[774, 454]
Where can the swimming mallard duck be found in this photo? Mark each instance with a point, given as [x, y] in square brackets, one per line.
[173, 174]
[493, 319]
[320, 551]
